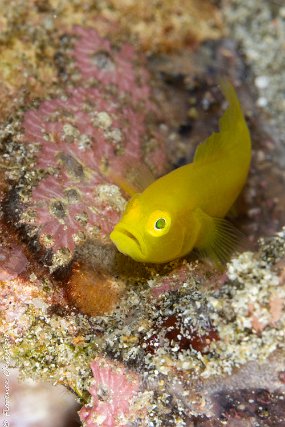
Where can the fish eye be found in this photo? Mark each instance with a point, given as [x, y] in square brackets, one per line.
[160, 224]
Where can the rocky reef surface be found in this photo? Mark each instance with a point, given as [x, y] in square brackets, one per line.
[88, 96]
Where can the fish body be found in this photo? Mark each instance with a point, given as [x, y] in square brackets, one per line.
[185, 209]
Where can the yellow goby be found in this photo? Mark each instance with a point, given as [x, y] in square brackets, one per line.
[185, 209]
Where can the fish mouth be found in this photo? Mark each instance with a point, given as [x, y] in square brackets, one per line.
[132, 237]
[127, 242]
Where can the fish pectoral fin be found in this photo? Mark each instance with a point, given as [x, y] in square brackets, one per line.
[218, 237]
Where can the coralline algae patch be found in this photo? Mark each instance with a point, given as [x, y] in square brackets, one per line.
[24, 295]
[176, 343]
[121, 68]
[113, 392]
[103, 124]
[12, 262]
[56, 346]
[62, 346]
[37, 329]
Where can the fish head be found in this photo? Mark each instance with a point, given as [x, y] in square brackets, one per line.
[148, 232]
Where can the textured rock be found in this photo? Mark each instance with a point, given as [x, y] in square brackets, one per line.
[191, 345]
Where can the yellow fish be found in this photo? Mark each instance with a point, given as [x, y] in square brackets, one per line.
[185, 209]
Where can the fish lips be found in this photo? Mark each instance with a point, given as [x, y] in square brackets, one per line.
[128, 242]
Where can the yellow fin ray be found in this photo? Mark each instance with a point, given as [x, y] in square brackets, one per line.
[219, 238]
[233, 131]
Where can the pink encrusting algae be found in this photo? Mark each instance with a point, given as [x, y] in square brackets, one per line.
[171, 282]
[88, 124]
[93, 132]
[65, 210]
[12, 262]
[97, 60]
[113, 392]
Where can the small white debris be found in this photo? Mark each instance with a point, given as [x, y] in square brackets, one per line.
[261, 82]
[262, 102]
[104, 120]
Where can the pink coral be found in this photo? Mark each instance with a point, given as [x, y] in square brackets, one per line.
[113, 390]
[86, 136]
[89, 125]
[66, 208]
[97, 60]
[77, 140]
[12, 262]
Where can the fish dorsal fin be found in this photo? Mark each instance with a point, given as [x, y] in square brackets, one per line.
[232, 129]
[219, 238]
[136, 178]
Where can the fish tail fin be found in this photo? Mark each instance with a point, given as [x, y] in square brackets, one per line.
[233, 131]
[219, 238]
